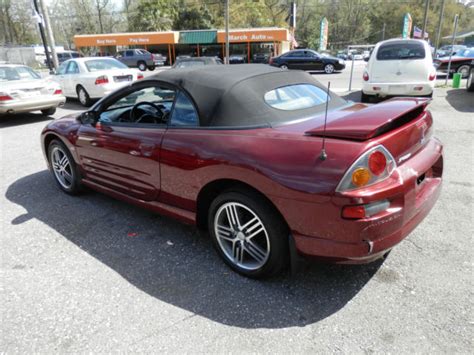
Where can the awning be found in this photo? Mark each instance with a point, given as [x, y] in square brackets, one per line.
[198, 37]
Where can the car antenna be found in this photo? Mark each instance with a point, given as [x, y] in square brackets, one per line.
[323, 154]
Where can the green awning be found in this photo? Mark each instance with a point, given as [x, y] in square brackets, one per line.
[198, 37]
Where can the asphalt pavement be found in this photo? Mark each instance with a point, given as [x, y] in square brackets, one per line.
[92, 274]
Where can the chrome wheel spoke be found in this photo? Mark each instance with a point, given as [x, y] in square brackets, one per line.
[238, 252]
[62, 168]
[225, 233]
[233, 216]
[255, 251]
[259, 228]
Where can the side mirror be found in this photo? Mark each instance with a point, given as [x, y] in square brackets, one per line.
[366, 59]
[88, 117]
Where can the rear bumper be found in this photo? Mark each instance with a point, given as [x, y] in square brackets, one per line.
[364, 240]
[99, 91]
[394, 89]
[40, 103]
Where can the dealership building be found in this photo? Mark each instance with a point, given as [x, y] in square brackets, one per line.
[243, 42]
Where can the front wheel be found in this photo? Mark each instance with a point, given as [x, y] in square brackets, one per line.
[248, 234]
[464, 71]
[329, 68]
[63, 167]
[49, 111]
[284, 66]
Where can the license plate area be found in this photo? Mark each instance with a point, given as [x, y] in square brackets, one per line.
[122, 78]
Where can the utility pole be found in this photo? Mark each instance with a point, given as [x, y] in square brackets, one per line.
[383, 32]
[49, 33]
[440, 25]
[39, 19]
[425, 18]
[456, 18]
[227, 48]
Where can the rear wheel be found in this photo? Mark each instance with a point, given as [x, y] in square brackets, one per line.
[329, 68]
[151, 68]
[64, 168]
[365, 98]
[83, 96]
[464, 71]
[141, 66]
[284, 66]
[470, 81]
[49, 111]
[248, 234]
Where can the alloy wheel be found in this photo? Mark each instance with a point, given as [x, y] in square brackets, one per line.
[464, 71]
[62, 167]
[241, 236]
[329, 69]
[82, 96]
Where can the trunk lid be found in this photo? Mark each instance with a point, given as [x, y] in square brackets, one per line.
[398, 71]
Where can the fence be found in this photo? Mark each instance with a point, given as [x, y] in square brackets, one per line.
[18, 55]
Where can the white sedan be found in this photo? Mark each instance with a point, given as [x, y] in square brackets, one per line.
[23, 90]
[92, 78]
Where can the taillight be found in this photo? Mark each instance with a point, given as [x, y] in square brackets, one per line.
[140, 76]
[373, 166]
[363, 211]
[432, 76]
[5, 97]
[103, 79]
[57, 92]
[365, 76]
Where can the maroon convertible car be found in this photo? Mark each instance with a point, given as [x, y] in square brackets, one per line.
[239, 151]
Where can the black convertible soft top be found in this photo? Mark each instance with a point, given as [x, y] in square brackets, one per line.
[233, 95]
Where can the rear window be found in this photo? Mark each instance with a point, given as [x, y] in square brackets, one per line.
[104, 64]
[401, 50]
[17, 73]
[296, 97]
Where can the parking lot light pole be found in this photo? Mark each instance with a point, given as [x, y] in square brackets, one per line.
[440, 23]
[39, 19]
[425, 18]
[49, 33]
[227, 49]
[456, 17]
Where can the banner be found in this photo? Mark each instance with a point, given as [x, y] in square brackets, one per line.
[323, 37]
[407, 23]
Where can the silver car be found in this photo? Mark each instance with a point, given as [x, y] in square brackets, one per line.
[23, 90]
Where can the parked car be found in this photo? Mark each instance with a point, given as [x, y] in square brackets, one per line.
[356, 55]
[342, 55]
[238, 59]
[459, 63]
[399, 67]
[262, 57]
[470, 78]
[307, 59]
[140, 58]
[238, 150]
[445, 51]
[195, 62]
[92, 78]
[23, 90]
[63, 56]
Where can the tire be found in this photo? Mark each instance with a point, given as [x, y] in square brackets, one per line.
[365, 98]
[83, 96]
[63, 167]
[151, 67]
[141, 66]
[284, 66]
[464, 71]
[329, 68]
[261, 249]
[49, 111]
[470, 81]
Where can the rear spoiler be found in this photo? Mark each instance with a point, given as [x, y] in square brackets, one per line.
[374, 120]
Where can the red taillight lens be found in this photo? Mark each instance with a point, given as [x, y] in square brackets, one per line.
[363, 211]
[365, 76]
[101, 80]
[353, 212]
[140, 76]
[432, 76]
[5, 97]
[57, 92]
[377, 163]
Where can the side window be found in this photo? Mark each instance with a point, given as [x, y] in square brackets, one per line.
[297, 54]
[72, 68]
[129, 53]
[62, 69]
[184, 113]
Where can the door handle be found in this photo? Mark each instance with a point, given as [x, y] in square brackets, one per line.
[135, 153]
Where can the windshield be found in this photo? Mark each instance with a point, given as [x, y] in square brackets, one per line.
[104, 64]
[467, 53]
[401, 50]
[17, 73]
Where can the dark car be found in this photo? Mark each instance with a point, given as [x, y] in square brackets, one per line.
[66, 55]
[459, 63]
[445, 51]
[261, 58]
[470, 78]
[307, 59]
[237, 59]
[140, 58]
[182, 63]
[237, 150]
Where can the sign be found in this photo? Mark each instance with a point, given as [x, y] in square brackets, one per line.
[407, 23]
[255, 35]
[323, 37]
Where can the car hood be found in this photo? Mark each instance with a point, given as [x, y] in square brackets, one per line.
[454, 58]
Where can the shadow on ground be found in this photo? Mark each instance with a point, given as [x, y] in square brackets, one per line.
[177, 265]
[461, 100]
[22, 119]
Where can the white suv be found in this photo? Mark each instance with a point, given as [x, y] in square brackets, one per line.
[399, 67]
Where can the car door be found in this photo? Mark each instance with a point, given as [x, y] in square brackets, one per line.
[60, 77]
[122, 152]
[71, 78]
[296, 60]
[312, 61]
[129, 58]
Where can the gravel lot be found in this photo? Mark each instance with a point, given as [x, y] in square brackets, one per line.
[91, 274]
